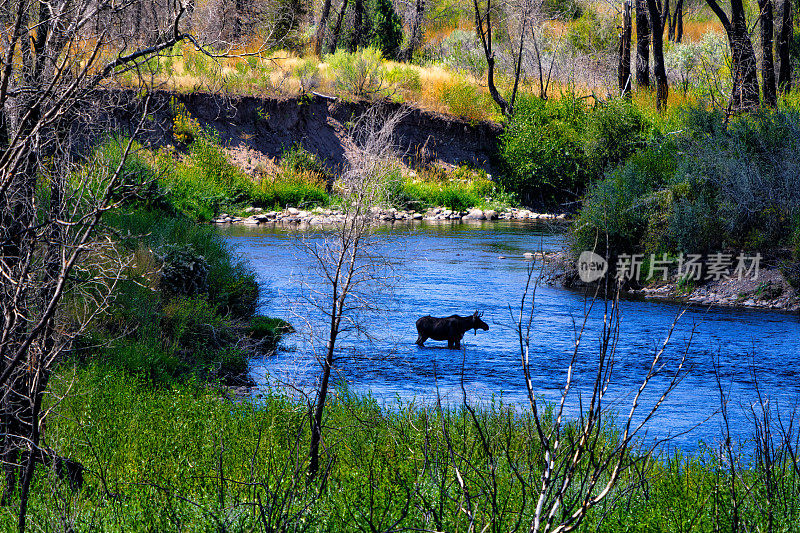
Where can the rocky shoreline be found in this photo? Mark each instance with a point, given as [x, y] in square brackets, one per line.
[323, 216]
[769, 291]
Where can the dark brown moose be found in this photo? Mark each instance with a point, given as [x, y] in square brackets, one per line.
[450, 329]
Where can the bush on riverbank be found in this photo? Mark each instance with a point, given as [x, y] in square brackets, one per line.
[552, 149]
[182, 306]
[458, 190]
[708, 188]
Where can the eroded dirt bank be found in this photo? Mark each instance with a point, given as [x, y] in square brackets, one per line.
[269, 125]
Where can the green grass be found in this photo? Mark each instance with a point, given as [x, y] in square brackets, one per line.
[181, 458]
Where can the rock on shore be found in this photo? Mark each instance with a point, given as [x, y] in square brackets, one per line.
[318, 216]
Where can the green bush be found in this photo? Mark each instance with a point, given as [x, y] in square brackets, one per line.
[465, 100]
[705, 190]
[204, 182]
[403, 77]
[461, 189]
[590, 33]
[359, 74]
[541, 150]
[614, 131]
[268, 329]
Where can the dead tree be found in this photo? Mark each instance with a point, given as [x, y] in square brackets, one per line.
[59, 57]
[624, 67]
[767, 63]
[785, 37]
[745, 91]
[346, 260]
[642, 44]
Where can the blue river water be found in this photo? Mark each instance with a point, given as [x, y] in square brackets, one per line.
[455, 268]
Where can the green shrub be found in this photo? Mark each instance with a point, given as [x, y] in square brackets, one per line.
[268, 329]
[185, 272]
[359, 74]
[307, 74]
[459, 190]
[205, 182]
[404, 78]
[614, 131]
[591, 33]
[297, 161]
[465, 100]
[542, 150]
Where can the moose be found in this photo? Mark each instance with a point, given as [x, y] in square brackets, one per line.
[450, 329]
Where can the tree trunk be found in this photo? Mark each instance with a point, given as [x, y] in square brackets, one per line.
[483, 27]
[415, 34]
[624, 68]
[357, 37]
[767, 64]
[319, 34]
[659, 70]
[642, 44]
[337, 30]
[744, 67]
[678, 21]
[785, 37]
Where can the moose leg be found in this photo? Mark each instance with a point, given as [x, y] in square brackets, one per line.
[457, 343]
[421, 340]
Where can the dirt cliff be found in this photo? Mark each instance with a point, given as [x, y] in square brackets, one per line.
[268, 125]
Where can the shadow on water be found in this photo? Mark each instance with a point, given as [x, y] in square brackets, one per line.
[444, 269]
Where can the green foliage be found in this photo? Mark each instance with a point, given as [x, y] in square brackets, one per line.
[204, 182]
[542, 149]
[614, 131]
[590, 33]
[268, 329]
[459, 190]
[387, 29]
[182, 321]
[465, 100]
[307, 73]
[563, 9]
[297, 160]
[403, 77]
[705, 190]
[359, 74]
[182, 457]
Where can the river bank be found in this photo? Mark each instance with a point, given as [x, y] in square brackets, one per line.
[324, 216]
[768, 289]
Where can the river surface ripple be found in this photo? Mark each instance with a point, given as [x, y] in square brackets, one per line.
[442, 269]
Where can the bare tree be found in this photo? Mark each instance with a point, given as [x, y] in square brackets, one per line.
[346, 258]
[60, 61]
[767, 63]
[624, 67]
[745, 92]
[642, 44]
[785, 36]
[579, 464]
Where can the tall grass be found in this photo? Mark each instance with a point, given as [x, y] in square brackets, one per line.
[182, 458]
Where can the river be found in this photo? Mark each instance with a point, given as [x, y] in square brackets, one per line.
[442, 269]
